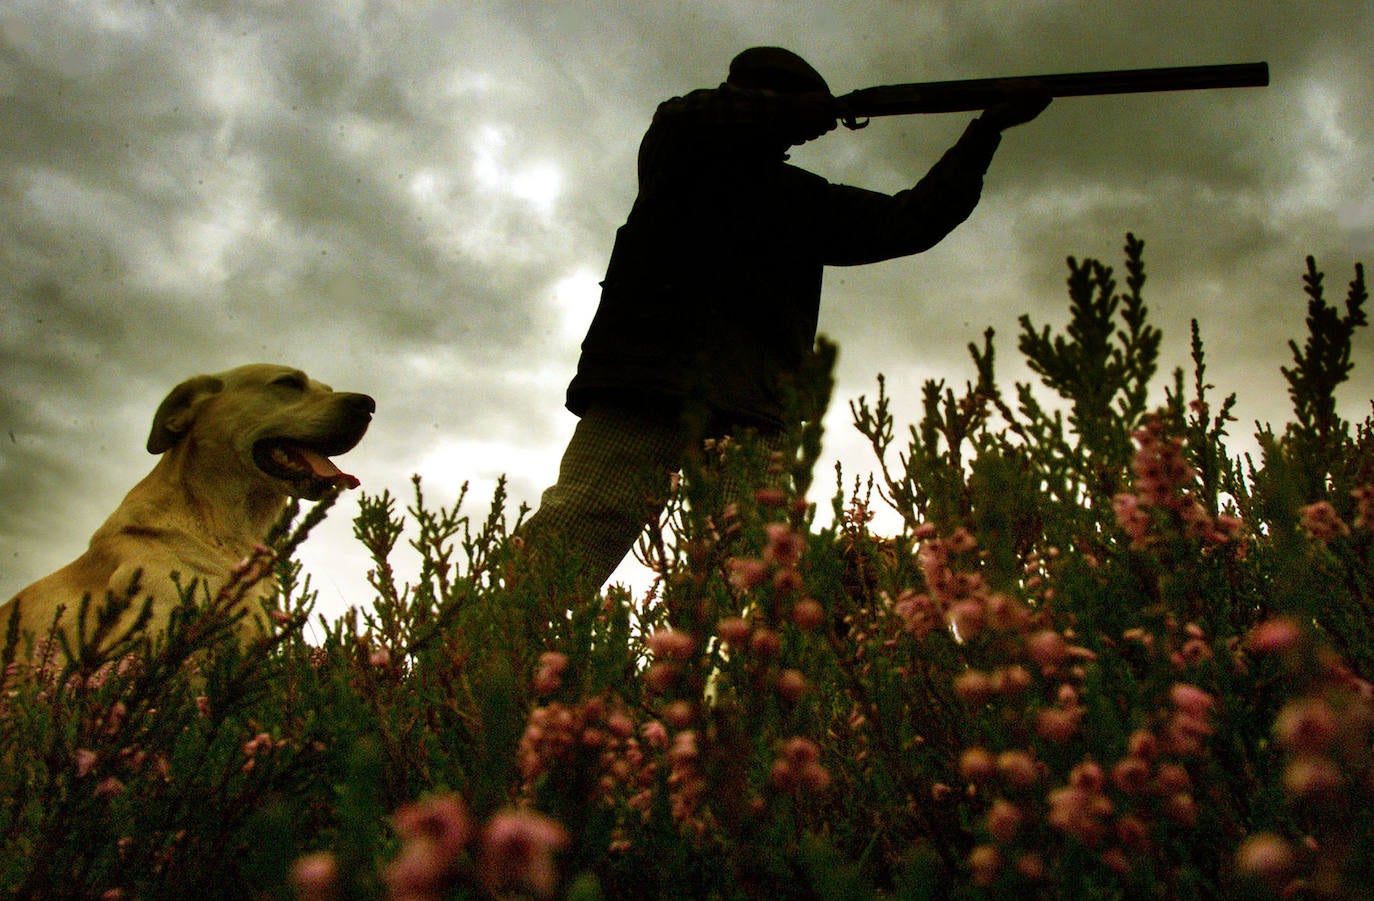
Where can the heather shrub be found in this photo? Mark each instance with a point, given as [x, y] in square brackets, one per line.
[1100, 657]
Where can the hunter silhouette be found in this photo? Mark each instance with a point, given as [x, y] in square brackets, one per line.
[712, 293]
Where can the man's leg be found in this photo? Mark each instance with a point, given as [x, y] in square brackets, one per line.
[612, 481]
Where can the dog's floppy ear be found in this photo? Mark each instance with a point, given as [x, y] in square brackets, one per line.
[177, 411]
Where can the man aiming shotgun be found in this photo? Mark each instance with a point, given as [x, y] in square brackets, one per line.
[711, 298]
[980, 93]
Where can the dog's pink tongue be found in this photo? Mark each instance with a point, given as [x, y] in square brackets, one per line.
[324, 467]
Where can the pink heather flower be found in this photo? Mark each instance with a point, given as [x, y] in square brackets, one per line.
[1364, 506]
[1132, 834]
[1005, 613]
[977, 765]
[984, 862]
[684, 749]
[203, 706]
[420, 870]
[791, 685]
[679, 714]
[1191, 700]
[1143, 744]
[554, 661]
[1337, 671]
[1132, 520]
[788, 776]
[1311, 775]
[1004, 821]
[441, 819]
[1172, 779]
[1047, 648]
[967, 617]
[785, 546]
[961, 541]
[1012, 680]
[659, 677]
[109, 788]
[1018, 769]
[783, 776]
[799, 766]
[765, 643]
[918, 612]
[1058, 724]
[1194, 652]
[814, 778]
[1131, 775]
[1276, 635]
[315, 876]
[788, 582]
[671, 644]
[975, 687]
[1159, 467]
[770, 497]
[1229, 527]
[115, 717]
[1088, 776]
[733, 630]
[518, 848]
[85, 761]
[1306, 726]
[1185, 735]
[379, 657]
[1267, 857]
[620, 724]
[1078, 813]
[801, 751]
[260, 742]
[546, 681]
[1182, 808]
[808, 614]
[1322, 522]
[746, 573]
[655, 734]
[1031, 866]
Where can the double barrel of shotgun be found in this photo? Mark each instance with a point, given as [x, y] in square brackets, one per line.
[980, 93]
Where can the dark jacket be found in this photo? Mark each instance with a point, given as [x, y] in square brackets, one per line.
[714, 284]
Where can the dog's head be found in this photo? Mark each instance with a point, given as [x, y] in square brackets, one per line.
[274, 421]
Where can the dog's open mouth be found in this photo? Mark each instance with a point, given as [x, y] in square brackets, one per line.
[308, 468]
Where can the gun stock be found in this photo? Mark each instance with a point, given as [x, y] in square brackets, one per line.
[981, 93]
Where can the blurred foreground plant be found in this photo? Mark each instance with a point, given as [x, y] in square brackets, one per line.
[1101, 658]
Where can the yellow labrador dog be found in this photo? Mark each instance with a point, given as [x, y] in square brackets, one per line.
[233, 448]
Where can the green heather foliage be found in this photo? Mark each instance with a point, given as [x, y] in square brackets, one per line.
[1100, 658]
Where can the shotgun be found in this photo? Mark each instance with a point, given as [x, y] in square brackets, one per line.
[980, 93]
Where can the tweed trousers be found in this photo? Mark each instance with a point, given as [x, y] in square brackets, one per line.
[613, 480]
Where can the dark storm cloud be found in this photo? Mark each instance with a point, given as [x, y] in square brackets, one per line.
[415, 199]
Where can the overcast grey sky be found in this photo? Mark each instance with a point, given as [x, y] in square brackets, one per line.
[416, 199]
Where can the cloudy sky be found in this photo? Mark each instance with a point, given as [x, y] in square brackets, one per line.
[416, 199]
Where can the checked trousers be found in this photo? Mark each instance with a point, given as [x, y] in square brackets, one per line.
[613, 480]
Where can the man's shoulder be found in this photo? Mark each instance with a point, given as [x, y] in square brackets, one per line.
[722, 104]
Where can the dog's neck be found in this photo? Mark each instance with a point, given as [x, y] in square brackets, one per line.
[226, 510]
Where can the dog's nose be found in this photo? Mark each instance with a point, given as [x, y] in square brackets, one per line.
[360, 403]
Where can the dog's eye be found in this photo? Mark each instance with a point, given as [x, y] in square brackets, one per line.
[294, 381]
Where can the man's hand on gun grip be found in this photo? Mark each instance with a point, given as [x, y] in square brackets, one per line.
[813, 114]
